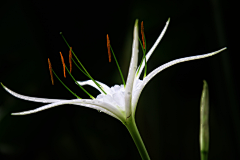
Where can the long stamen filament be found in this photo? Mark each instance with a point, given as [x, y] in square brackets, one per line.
[86, 73]
[79, 67]
[118, 66]
[65, 67]
[142, 33]
[65, 85]
[144, 51]
[143, 59]
[79, 85]
[70, 59]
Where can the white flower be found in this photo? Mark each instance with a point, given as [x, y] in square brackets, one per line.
[118, 101]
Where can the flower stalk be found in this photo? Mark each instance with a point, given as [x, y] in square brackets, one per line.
[133, 130]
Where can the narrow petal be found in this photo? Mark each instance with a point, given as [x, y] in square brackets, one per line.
[103, 107]
[34, 99]
[91, 83]
[94, 104]
[131, 72]
[164, 66]
[153, 47]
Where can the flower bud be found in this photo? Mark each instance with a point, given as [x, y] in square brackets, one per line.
[204, 128]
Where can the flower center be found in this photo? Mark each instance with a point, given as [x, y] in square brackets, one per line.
[115, 96]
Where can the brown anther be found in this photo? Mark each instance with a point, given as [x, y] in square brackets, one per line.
[50, 69]
[63, 64]
[142, 33]
[108, 47]
[70, 59]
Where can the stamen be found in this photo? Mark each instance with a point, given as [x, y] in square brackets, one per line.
[79, 85]
[108, 47]
[142, 33]
[118, 66]
[83, 68]
[50, 69]
[70, 59]
[65, 85]
[143, 45]
[63, 64]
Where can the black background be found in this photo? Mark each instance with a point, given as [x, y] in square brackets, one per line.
[168, 109]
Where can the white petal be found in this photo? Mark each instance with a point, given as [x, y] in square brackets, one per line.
[91, 83]
[166, 65]
[135, 96]
[119, 100]
[116, 98]
[100, 109]
[108, 99]
[153, 47]
[115, 88]
[132, 71]
[101, 106]
[95, 104]
[34, 99]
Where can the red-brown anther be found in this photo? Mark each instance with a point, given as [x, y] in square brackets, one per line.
[108, 47]
[63, 64]
[142, 33]
[50, 69]
[70, 59]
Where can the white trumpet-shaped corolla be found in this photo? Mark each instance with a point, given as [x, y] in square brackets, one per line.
[118, 101]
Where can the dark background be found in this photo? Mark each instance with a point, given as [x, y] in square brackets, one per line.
[168, 109]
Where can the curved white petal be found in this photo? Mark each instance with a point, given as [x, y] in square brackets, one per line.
[132, 71]
[94, 104]
[135, 96]
[34, 99]
[166, 65]
[91, 83]
[153, 48]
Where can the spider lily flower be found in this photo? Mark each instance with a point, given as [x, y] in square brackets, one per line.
[118, 101]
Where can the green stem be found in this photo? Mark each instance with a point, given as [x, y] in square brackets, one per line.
[132, 128]
[204, 155]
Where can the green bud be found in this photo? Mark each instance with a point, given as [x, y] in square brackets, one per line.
[204, 128]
